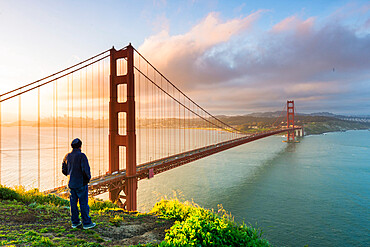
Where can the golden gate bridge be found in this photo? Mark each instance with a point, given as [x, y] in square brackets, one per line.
[133, 121]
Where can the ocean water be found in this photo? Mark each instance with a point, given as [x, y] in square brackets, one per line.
[315, 192]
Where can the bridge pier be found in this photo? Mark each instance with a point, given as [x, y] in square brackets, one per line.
[115, 139]
[299, 132]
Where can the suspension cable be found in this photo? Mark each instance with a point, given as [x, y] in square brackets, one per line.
[42, 84]
[281, 113]
[204, 118]
[61, 71]
[182, 92]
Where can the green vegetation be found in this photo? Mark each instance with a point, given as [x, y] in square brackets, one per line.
[319, 127]
[30, 218]
[196, 226]
[312, 124]
[31, 196]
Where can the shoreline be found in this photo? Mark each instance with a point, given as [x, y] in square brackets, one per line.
[332, 131]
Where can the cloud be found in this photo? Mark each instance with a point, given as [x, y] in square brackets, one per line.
[163, 48]
[229, 66]
[295, 24]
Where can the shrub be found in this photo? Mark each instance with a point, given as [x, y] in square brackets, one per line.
[196, 226]
[96, 204]
[31, 196]
[35, 195]
[173, 209]
[8, 194]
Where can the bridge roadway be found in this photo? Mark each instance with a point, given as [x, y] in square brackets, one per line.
[104, 183]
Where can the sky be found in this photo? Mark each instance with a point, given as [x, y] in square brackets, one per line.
[231, 57]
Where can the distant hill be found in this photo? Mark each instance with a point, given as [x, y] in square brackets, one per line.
[319, 114]
[265, 114]
[314, 123]
[322, 114]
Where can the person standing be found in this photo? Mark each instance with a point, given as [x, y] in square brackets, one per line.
[76, 166]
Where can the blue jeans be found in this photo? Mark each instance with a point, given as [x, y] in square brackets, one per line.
[81, 195]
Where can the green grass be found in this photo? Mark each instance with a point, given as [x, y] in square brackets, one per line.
[31, 218]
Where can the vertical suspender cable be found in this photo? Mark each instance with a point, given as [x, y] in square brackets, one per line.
[138, 114]
[86, 110]
[155, 117]
[53, 147]
[56, 126]
[209, 133]
[0, 140]
[68, 109]
[99, 144]
[204, 134]
[168, 105]
[152, 121]
[72, 105]
[188, 126]
[201, 128]
[19, 140]
[175, 122]
[179, 122]
[193, 136]
[92, 117]
[199, 125]
[161, 122]
[147, 116]
[184, 125]
[81, 104]
[159, 126]
[204, 130]
[173, 125]
[103, 127]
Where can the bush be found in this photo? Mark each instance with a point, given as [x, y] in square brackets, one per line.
[8, 194]
[31, 196]
[173, 209]
[96, 204]
[196, 226]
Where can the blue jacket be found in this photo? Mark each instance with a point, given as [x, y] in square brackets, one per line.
[76, 166]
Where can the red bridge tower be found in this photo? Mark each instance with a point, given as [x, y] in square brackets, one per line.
[129, 187]
[290, 120]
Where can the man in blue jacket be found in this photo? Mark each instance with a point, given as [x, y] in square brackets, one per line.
[76, 166]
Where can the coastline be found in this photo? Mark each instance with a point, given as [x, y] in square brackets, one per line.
[327, 127]
[335, 131]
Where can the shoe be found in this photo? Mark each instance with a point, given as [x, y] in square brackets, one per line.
[89, 226]
[76, 225]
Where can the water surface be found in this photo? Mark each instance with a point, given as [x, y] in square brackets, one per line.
[315, 192]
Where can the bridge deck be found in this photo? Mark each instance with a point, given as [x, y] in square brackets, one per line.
[104, 183]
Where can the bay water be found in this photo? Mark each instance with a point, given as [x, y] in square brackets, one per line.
[315, 193]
